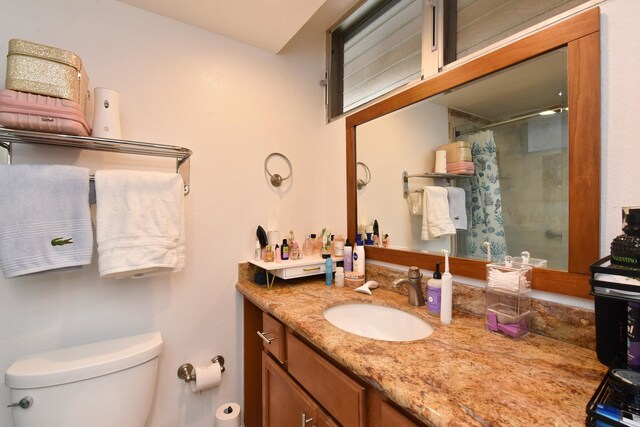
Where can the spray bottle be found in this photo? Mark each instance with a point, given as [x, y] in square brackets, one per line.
[446, 301]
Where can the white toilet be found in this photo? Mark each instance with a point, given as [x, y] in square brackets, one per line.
[103, 384]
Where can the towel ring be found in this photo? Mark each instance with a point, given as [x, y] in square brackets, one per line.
[276, 179]
[361, 183]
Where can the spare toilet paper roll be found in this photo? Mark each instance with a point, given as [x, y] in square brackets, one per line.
[228, 415]
[206, 377]
[441, 161]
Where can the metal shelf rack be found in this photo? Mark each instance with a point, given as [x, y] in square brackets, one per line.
[8, 137]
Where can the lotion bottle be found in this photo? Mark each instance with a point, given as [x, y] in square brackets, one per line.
[434, 292]
[328, 271]
[446, 302]
[358, 259]
[348, 257]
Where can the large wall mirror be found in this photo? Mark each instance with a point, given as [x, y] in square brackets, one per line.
[530, 112]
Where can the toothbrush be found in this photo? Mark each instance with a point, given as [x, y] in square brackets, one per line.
[366, 288]
[446, 301]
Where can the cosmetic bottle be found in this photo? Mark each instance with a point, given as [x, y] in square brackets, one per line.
[329, 270]
[268, 254]
[348, 256]
[315, 244]
[307, 246]
[258, 251]
[278, 254]
[446, 297]
[625, 249]
[338, 246]
[285, 250]
[294, 251]
[358, 259]
[339, 277]
[434, 290]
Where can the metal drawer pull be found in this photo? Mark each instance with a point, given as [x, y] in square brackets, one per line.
[24, 403]
[264, 338]
[311, 269]
[305, 421]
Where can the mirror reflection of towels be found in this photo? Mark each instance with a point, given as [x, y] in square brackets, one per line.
[457, 210]
[414, 201]
[435, 217]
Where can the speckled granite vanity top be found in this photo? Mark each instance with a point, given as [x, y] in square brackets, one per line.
[461, 375]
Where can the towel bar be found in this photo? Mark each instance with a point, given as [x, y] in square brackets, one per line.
[181, 154]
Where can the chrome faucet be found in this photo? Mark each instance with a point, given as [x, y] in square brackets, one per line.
[413, 280]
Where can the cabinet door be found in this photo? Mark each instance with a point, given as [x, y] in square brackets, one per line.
[284, 403]
[323, 420]
[391, 417]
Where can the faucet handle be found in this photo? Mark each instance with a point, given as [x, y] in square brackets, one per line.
[414, 273]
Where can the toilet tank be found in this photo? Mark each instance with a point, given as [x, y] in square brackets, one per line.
[102, 384]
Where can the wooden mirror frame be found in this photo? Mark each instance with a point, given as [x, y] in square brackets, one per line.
[581, 34]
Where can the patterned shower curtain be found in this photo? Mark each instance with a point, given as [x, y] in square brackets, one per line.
[483, 199]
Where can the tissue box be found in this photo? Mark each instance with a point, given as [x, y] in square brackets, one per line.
[509, 299]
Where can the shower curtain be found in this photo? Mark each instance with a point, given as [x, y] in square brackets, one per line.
[484, 207]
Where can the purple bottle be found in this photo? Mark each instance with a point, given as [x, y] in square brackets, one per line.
[434, 292]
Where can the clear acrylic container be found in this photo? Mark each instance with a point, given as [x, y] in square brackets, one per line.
[509, 298]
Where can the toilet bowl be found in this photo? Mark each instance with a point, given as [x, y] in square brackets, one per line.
[103, 384]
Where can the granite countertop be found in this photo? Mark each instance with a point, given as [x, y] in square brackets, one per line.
[461, 375]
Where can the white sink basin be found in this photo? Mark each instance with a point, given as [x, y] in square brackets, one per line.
[378, 322]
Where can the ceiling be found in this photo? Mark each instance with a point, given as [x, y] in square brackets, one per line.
[533, 85]
[268, 25]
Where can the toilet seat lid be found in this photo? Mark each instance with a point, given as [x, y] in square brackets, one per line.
[82, 362]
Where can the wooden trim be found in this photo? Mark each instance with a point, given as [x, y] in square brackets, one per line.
[252, 361]
[518, 51]
[352, 196]
[584, 152]
[581, 34]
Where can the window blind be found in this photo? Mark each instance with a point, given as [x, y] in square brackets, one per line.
[382, 54]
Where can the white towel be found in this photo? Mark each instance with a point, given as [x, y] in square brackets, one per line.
[414, 202]
[435, 216]
[139, 223]
[45, 219]
[457, 207]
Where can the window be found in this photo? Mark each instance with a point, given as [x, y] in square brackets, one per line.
[385, 44]
[376, 53]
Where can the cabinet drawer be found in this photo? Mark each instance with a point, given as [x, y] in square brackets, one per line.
[272, 335]
[301, 271]
[341, 396]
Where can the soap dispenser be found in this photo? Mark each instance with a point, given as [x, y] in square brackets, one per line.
[434, 291]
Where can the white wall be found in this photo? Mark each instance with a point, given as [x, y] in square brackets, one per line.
[620, 102]
[232, 105]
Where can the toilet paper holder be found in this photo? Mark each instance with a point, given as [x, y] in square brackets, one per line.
[187, 373]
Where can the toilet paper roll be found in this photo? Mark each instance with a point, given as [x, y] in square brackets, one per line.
[228, 415]
[441, 161]
[206, 377]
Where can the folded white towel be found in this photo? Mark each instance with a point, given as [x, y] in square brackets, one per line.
[45, 219]
[435, 217]
[457, 207]
[139, 223]
[414, 202]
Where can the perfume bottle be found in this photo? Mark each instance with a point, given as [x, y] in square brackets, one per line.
[625, 249]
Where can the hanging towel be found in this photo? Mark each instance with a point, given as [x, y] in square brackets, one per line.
[45, 219]
[414, 202]
[435, 217]
[139, 223]
[457, 207]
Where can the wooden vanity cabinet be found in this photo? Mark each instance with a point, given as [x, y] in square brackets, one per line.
[287, 378]
[285, 403]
